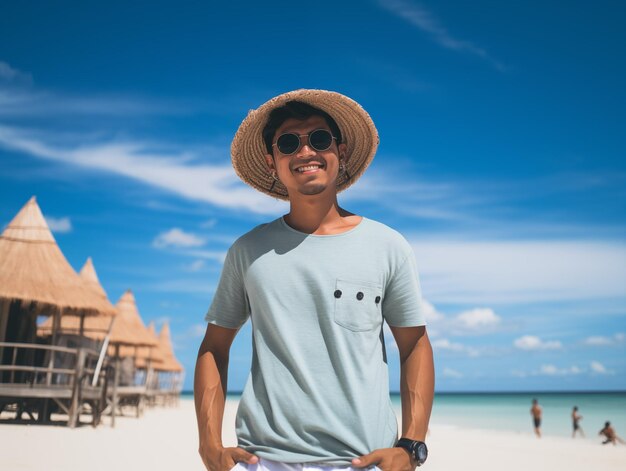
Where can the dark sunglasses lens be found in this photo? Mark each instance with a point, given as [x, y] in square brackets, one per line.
[288, 143]
[320, 139]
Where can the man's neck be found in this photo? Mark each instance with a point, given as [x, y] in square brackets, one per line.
[320, 216]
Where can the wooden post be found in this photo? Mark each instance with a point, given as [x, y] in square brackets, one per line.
[116, 381]
[5, 304]
[56, 321]
[75, 406]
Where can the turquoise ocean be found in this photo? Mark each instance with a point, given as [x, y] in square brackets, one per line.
[511, 411]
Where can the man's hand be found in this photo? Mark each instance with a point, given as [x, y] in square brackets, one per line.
[387, 459]
[225, 459]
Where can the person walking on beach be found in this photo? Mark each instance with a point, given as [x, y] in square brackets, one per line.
[610, 435]
[576, 418]
[318, 284]
[536, 412]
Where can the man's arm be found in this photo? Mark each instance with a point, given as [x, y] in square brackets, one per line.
[417, 389]
[210, 382]
[417, 380]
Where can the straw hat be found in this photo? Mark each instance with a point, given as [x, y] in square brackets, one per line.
[358, 133]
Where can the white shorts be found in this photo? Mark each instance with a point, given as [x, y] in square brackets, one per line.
[269, 465]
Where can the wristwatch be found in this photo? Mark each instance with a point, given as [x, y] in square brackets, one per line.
[418, 450]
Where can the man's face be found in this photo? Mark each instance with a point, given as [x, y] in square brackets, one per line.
[308, 171]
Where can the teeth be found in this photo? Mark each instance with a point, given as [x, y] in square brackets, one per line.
[308, 167]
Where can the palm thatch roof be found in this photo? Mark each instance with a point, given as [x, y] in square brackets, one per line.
[165, 344]
[155, 355]
[34, 270]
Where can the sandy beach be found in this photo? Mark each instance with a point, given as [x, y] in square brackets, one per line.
[165, 439]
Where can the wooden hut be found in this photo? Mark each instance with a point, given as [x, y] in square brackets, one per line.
[171, 372]
[127, 335]
[36, 279]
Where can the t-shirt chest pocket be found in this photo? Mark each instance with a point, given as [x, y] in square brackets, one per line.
[357, 305]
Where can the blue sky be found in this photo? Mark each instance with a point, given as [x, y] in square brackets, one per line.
[502, 160]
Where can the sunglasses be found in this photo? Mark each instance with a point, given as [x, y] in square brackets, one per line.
[290, 143]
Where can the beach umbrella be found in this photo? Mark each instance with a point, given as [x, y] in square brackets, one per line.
[35, 273]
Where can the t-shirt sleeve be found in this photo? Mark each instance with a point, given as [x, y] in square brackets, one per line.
[402, 300]
[230, 306]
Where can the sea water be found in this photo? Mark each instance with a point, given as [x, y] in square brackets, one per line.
[511, 411]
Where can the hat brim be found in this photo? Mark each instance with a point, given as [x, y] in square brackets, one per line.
[357, 130]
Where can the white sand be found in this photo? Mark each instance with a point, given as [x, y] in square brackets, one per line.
[165, 439]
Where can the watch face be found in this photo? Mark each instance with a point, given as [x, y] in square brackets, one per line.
[421, 452]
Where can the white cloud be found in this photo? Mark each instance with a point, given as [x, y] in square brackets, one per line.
[209, 224]
[218, 256]
[195, 266]
[431, 314]
[598, 341]
[479, 318]
[450, 373]
[473, 321]
[551, 370]
[11, 74]
[447, 345]
[599, 368]
[177, 238]
[421, 18]
[520, 271]
[178, 173]
[531, 342]
[59, 225]
[603, 341]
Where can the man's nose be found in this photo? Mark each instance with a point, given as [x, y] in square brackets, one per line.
[305, 150]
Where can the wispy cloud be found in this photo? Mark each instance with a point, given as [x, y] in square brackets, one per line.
[59, 225]
[602, 341]
[449, 346]
[176, 237]
[425, 21]
[552, 370]
[520, 271]
[599, 368]
[176, 172]
[12, 75]
[451, 373]
[19, 102]
[532, 342]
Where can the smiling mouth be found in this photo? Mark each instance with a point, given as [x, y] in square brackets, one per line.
[309, 168]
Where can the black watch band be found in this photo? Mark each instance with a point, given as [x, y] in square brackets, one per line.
[418, 450]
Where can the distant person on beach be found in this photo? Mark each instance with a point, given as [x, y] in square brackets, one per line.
[609, 435]
[576, 418]
[318, 284]
[536, 412]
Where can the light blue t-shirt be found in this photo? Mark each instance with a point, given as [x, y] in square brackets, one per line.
[318, 389]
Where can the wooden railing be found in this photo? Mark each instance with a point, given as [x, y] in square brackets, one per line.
[69, 376]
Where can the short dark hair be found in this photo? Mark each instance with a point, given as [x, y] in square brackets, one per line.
[296, 110]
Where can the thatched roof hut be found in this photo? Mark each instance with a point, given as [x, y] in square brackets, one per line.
[127, 331]
[35, 273]
[33, 268]
[165, 344]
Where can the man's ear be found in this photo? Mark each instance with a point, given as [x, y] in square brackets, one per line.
[342, 148]
[269, 159]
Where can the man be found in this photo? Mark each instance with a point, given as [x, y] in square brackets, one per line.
[576, 418]
[609, 435]
[317, 284]
[536, 411]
